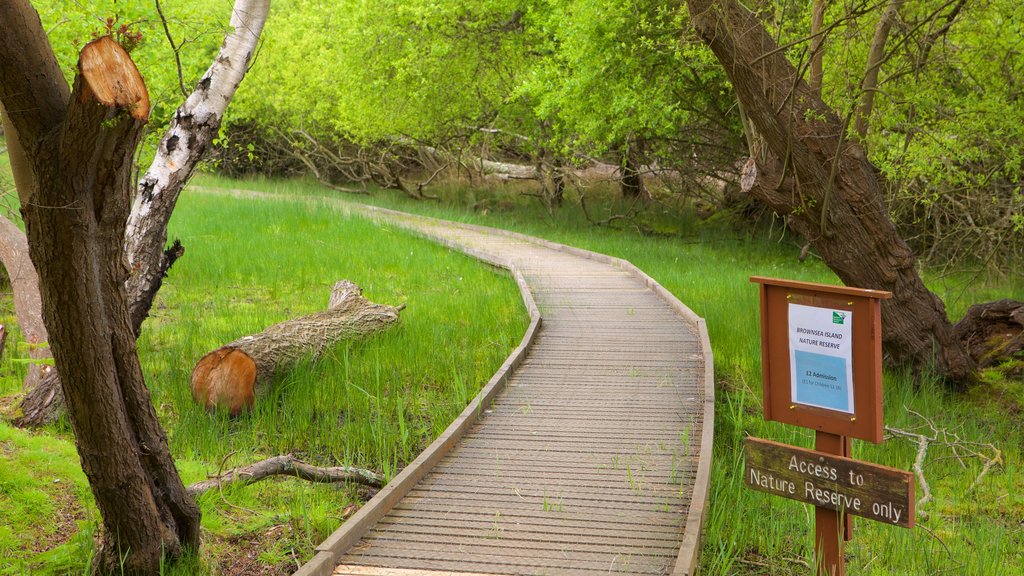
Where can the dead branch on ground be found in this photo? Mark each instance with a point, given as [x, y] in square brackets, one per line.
[961, 449]
[287, 465]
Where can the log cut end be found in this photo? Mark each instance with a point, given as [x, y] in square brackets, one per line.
[112, 78]
[230, 377]
[225, 379]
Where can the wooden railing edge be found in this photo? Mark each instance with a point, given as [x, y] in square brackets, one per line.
[689, 550]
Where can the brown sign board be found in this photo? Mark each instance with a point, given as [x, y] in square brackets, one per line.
[833, 482]
[821, 355]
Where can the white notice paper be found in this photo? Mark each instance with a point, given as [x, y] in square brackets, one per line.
[821, 357]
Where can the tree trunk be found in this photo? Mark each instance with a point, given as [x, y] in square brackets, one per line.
[80, 147]
[631, 182]
[817, 45]
[41, 385]
[230, 377]
[827, 188]
[876, 55]
[28, 307]
[195, 124]
[193, 127]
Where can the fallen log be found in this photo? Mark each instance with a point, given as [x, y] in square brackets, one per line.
[993, 331]
[230, 377]
[287, 465]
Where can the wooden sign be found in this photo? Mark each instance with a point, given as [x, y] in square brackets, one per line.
[833, 482]
[821, 356]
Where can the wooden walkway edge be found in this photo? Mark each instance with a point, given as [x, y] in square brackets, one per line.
[337, 545]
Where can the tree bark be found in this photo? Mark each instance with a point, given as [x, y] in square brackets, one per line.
[817, 45]
[80, 148]
[195, 124]
[193, 127]
[631, 181]
[232, 376]
[826, 187]
[876, 55]
[992, 331]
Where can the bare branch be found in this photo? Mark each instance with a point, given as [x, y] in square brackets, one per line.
[287, 465]
[959, 448]
[175, 47]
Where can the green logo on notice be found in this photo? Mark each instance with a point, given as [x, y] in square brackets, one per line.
[838, 317]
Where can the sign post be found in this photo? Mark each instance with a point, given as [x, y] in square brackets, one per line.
[821, 355]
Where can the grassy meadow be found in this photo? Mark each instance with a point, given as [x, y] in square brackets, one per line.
[376, 403]
[964, 529]
[373, 403]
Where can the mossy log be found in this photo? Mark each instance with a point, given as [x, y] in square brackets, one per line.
[232, 376]
[993, 332]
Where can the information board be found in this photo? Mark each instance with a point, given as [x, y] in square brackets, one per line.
[821, 356]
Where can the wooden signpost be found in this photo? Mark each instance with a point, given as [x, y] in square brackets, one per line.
[821, 355]
[834, 482]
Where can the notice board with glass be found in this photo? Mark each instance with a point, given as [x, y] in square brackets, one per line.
[821, 353]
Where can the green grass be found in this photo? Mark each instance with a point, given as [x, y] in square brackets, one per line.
[373, 403]
[708, 265]
[377, 403]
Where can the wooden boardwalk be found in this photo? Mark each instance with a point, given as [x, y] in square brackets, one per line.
[587, 453]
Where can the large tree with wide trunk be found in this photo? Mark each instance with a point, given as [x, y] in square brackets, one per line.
[193, 127]
[822, 181]
[76, 149]
[72, 152]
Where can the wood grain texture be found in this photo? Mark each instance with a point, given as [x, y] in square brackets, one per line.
[232, 376]
[861, 488]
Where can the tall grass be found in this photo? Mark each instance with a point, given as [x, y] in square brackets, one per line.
[372, 403]
[708, 265]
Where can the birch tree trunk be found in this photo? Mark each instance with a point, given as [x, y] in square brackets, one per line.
[79, 147]
[193, 127]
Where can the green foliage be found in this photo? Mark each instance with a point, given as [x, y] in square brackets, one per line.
[572, 79]
[618, 71]
[569, 79]
[197, 27]
[384, 70]
[947, 128]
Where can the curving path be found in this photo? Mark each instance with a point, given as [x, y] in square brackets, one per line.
[587, 453]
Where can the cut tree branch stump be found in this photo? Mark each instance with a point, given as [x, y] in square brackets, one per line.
[993, 331]
[230, 377]
[287, 465]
